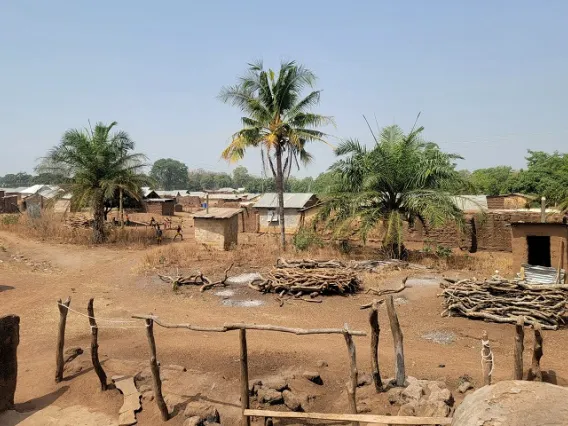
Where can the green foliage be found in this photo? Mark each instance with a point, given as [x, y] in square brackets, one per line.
[306, 238]
[493, 180]
[402, 178]
[10, 219]
[98, 163]
[170, 174]
[16, 180]
[443, 251]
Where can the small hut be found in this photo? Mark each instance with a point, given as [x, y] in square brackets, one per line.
[160, 206]
[539, 244]
[217, 227]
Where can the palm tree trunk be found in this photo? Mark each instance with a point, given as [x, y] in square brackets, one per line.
[120, 208]
[99, 219]
[280, 191]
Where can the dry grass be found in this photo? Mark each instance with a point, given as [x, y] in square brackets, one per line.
[52, 227]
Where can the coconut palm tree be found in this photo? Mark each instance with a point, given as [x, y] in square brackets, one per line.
[98, 164]
[277, 120]
[402, 178]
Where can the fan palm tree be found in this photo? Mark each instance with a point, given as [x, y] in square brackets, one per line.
[278, 121]
[98, 163]
[401, 178]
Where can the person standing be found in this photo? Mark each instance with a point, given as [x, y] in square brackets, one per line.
[178, 233]
[158, 234]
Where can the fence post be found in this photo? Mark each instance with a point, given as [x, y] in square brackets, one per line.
[59, 363]
[535, 373]
[400, 373]
[353, 373]
[95, 346]
[486, 359]
[244, 375]
[156, 371]
[519, 348]
[375, 331]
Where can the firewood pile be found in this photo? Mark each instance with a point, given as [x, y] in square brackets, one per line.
[312, 282]
[197, 278]
[78, 222]
[501, 300]
[356, 265]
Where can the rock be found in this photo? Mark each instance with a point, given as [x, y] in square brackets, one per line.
[203, 410]
[441, 395]
[394, 396]
[143, 376]
[313, 377]
[464, 387]
[269, 396]
[413, 392]
[364, 379]
[514, 402]
[428, 408]
[277, 383]
[322, 364]
[292, 401]
[144, 388]
[71, 353]
[407, 409]
[193, 421]
[148, 396]
[254, 385]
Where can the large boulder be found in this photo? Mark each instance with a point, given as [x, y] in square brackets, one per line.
[202, 410]
[514, 402]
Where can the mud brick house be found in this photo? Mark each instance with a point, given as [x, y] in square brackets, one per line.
[508, 201]
[539, 244]
[159, 206]
[218, 227]
[298, 207]
[8, 203]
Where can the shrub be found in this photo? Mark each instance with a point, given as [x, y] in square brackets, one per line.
[306, 238]
[10, 219]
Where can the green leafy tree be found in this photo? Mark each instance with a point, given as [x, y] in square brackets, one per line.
[277, 119]
[170, 174]
[98, 163]
[401, 178]
[325, 182]
[493, 180]
[241, 177]
[12, 180]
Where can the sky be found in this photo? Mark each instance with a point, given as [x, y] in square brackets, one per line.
[488, 77]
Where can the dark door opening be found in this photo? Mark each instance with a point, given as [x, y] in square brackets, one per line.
[538, 250]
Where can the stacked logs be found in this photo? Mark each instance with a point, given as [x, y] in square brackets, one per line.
[195, 279]
[314, 282]
[503, 301]
[356, 265]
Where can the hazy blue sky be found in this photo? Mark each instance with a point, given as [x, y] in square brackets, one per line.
[490, 77]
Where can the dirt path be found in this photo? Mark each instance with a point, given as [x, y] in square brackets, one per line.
[111, 276]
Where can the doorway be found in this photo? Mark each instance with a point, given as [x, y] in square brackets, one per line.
[538, 250]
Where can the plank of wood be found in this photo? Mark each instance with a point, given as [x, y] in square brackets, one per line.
[368, 418]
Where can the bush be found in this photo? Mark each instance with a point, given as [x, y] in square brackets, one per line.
[10, 219]
[443, 251]
[306, 238]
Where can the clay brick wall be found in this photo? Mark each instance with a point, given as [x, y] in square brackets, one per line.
[189, 200]
[160, 208]
[489, 232]
[248, 220]
[221, 234]
[495, 203]
[557, 234]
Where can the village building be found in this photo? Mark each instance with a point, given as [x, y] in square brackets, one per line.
[159, 206]
[508, 201]
[298, 208]
[539, 244]
[217, 227]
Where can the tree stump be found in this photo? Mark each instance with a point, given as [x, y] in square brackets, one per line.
[535, 372]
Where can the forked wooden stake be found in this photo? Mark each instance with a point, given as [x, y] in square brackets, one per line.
[157, 382]
[375, 331]
[352, 384]
[535, 372]
[519, 348]
[95, 346]
[59, 362]
[400, 373]
[486, 359]
[244, 376]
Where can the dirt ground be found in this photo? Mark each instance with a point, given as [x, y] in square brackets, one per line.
[33, 275]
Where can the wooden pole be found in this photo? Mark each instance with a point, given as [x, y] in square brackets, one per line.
[560, 263]
[543, 209]
[375, 331]
[59, 362]
[519, 348]
[244, 376]
[486, 359]
[535, 373]
[95, 346]
[157, 382]
[400, 374]
[352, 384]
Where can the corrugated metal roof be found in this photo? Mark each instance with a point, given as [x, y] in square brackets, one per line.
[217, 213]
[471, 203]
[542, 274]
[13, 190]
[196, 194]
[160, 200]
[173, 193]
[34, 189]
[50, 193]
[291, 200]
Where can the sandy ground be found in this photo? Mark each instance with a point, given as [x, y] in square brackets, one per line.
[33, 275]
